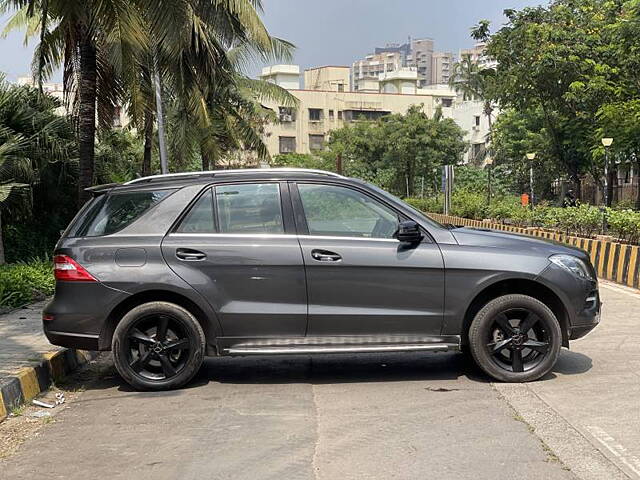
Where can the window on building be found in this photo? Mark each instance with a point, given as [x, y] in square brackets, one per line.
[339, 114]
[316, 142]
[315, 114]
[477, 120]
[447, 102]
[331, 116]
[287, 114]
[287, 144]
[341, 87]
[249, 208]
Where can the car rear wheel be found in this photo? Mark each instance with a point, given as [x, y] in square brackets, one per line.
[158, 346]
[515, 338]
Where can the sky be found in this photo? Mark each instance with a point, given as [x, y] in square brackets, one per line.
[338, 32]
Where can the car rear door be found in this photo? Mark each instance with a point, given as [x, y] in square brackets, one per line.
[237, 247]
[360, 279]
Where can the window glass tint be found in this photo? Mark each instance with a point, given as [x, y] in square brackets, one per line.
[200, 217]
[249, 208]
[339, 211]
[117, 210]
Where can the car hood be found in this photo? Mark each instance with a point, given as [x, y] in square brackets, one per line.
[481, 237]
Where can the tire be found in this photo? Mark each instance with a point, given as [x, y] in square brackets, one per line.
[158, 346]
[502, 350]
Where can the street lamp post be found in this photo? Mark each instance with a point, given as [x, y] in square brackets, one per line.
[531, 157]
[606, 143]
[489, 163]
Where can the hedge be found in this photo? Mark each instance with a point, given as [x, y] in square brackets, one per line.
[584, 220]
[22, 283]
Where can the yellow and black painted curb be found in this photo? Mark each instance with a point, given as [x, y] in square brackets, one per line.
[613, 261]
[28, 382]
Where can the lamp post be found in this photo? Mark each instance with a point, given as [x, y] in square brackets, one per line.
[606, 143]
[489, 164]
[531, 157]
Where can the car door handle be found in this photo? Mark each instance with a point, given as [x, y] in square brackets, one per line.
[189, 254]
[325, 256]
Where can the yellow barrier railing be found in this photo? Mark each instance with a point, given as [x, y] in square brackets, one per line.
[613, 261]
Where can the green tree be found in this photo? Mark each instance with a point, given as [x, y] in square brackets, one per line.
[561, 62]
[38, 167]
[399, 152]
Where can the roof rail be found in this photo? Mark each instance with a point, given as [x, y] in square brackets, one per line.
[213, 173]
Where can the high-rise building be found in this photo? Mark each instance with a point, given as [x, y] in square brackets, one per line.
[442, 67]
[418, 54]
[477, 54]
[422, 59]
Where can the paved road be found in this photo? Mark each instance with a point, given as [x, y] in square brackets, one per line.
[358, 417]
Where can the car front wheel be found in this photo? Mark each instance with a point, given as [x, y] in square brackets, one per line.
[158, 346]
[515, 338]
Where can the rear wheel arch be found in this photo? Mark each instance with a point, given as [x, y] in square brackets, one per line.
[120, 310]
[521, 286]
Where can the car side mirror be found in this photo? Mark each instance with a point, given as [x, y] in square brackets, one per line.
[408, 232]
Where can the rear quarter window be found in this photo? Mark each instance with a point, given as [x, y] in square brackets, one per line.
[114, 211]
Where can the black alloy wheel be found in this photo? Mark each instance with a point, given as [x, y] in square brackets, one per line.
[158, 346]
[515, 338]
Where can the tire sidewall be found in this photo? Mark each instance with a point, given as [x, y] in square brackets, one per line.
[483, 321]
[191, 327]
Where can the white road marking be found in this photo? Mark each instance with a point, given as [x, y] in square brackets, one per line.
[616, 448]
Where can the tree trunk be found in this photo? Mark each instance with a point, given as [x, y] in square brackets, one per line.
[206, 161]
[148, 143]
[87, 114]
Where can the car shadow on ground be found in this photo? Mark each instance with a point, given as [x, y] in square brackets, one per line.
[332, 369]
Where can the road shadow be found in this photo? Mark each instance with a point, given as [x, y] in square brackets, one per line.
[342, 368]
[332, 369]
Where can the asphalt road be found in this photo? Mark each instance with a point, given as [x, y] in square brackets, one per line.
[404, 416]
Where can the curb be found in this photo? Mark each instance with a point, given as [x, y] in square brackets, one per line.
[28, 382]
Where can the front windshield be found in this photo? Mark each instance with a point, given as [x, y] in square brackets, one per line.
[421, 216]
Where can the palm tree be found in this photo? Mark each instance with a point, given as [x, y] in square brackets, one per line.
[36, 147]
[82, 37]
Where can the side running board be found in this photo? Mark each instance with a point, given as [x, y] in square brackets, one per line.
[317, 349]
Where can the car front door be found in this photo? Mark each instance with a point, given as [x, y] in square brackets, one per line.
[237, 247]
[360, 279]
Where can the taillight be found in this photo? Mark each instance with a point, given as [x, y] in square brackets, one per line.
[67, 269]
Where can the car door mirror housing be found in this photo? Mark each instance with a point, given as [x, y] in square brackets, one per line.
[408, 232]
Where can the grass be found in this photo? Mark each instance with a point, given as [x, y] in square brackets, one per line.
[25, 282]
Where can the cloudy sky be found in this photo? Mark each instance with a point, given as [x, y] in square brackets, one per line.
[337, 32]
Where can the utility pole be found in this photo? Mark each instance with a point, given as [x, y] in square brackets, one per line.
[531, 157]
[606, 143]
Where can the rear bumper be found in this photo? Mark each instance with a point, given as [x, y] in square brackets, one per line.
[77, 313]
[71, 340]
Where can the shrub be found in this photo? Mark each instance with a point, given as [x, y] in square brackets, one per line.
[430, 204]
[22, 283]
[624, 224]
[469, 205]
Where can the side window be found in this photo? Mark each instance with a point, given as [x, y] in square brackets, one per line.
[249, 208]
[339, 211]
[200, 218]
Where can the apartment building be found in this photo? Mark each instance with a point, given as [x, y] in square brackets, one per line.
[329, 78]
[442, 67]
[421, 58]
[376, 64]
[320, 110]
[478, 55]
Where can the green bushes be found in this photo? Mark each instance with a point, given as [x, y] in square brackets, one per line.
[22, 283]
[583, 220]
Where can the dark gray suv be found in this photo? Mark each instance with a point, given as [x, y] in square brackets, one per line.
[167, 269]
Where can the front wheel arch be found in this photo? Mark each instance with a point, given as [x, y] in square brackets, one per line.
[521, 286]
